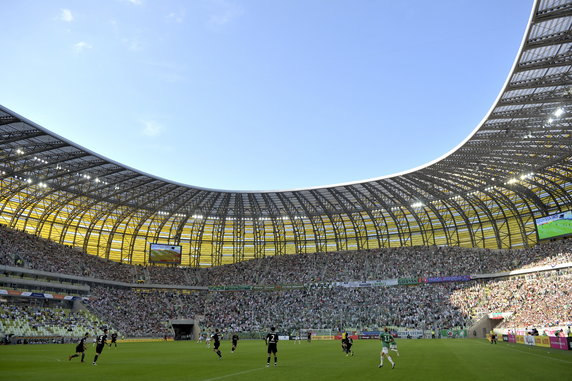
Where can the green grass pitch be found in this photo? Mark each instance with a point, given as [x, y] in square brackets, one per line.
[469, 359]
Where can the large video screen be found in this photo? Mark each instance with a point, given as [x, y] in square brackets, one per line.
[555, 225]
[161, 253]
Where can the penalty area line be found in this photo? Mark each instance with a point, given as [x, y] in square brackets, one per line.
[233, 374]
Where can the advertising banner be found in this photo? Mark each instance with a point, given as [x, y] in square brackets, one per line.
[239, 288]
[367, 283]
[542, 341]
[384, 283]
[519, 339]
[559, 343]
[409, 334]
[354, 337]
[347, 284]
[500, 315]
[440, 279]
[453, 333]
[367, 337]
[323, 337]
[236, 288]
[529, 340]
[319, 285]
[40, 295]
[263, 288]
[292, 286]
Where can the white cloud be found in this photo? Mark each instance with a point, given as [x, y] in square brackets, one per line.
[66, 15]
[81, 46]
[151, 128]
[177, 17]
[135, 2]
[224, 12]
[132, 44]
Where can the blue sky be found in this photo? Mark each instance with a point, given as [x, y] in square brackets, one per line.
[259, 94]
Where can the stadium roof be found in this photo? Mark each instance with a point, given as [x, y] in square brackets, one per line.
[513, 168]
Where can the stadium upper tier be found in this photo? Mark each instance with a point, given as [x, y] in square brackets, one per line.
[515, 167]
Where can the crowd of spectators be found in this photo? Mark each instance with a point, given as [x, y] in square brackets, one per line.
[46, 320]
[532, 299]
[540, 299]
[361, 265]
[26, 250]
[145, 313]
[136, 312]
[420, 307]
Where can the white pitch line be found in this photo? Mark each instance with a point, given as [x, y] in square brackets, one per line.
[233, 374]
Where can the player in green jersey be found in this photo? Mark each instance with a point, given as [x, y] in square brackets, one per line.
[393, 347]
[386, 340]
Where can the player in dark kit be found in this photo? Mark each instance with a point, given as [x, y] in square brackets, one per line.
[100, 343]
[272, 343]
[216, 338]
[113, 339]
[493, 337]
[234, 342]
[349, 343]
[80, 348]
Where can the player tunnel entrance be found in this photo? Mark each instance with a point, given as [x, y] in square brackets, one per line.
[185, 329]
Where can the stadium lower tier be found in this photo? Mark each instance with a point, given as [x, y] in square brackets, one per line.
[28, 318]
[535, 299]
[540, 300]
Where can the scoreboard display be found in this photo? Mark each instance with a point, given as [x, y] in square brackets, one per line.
[555, 225]
[166, 254]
